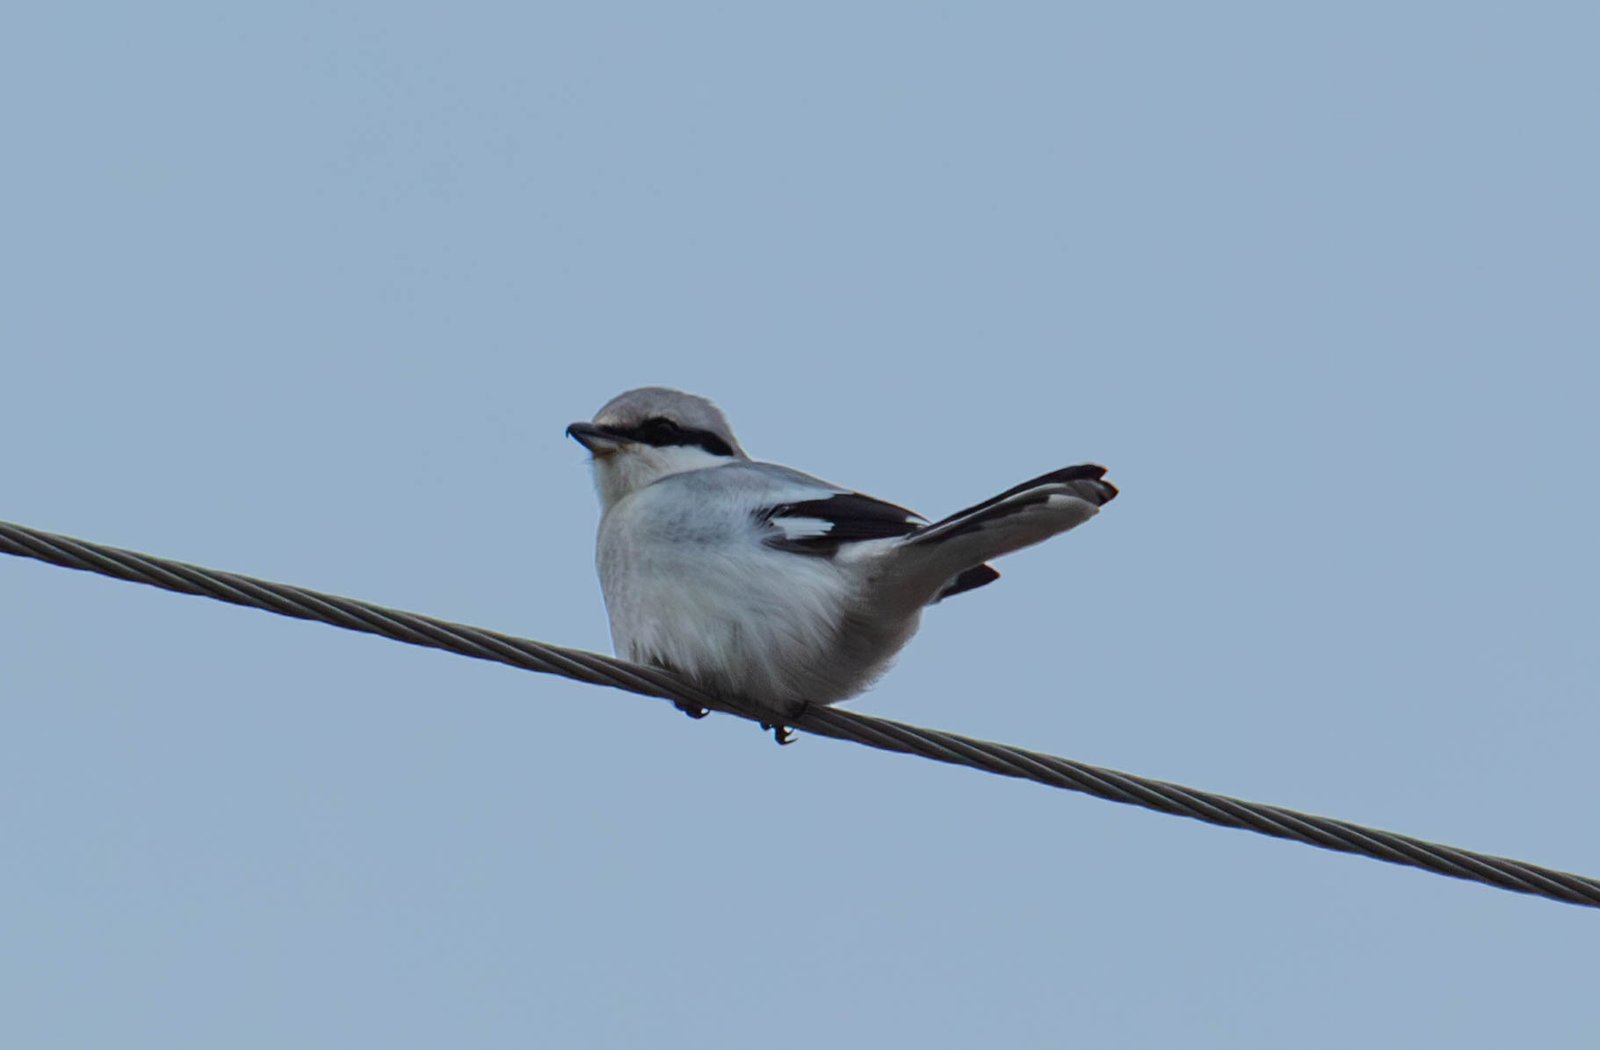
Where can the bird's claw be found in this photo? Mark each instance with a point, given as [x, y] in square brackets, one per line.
[691, 710]
[782, 734]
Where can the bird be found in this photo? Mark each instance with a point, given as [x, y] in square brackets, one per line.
[768, 586]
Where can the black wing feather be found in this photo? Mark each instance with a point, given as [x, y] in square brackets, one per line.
[848, 517]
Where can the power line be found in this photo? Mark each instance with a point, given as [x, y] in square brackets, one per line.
[415, 629]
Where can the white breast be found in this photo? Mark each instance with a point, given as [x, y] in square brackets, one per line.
[689, 585]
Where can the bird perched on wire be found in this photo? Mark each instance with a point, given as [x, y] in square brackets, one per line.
[763, 584]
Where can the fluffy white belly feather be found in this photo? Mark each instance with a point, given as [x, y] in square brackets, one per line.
[699, 596]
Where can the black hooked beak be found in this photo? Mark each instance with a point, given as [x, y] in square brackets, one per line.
[596, 438]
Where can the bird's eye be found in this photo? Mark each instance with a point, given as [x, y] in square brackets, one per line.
[658, 429]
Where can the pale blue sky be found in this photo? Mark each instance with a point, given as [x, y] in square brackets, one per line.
[310, 291]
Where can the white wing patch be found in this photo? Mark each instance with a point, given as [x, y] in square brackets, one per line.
[828, 524]
[803, 528]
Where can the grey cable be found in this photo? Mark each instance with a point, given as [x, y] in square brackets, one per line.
[1175, 799]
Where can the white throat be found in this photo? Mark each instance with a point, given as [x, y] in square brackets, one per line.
[620, 474]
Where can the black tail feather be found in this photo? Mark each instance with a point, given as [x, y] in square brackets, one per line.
[968, 580]
[1086, 479]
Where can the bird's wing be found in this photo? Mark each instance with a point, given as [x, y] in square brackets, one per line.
[824, 524]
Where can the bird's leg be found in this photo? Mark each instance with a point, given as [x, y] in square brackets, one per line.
[692, 710]
[782, 733]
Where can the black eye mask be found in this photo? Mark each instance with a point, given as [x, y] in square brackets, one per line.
[662, 432]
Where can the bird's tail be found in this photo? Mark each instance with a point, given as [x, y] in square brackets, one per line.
[948, 556]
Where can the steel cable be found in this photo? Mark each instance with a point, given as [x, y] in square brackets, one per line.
[415, 629]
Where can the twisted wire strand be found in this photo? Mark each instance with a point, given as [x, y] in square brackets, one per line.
[885, 734]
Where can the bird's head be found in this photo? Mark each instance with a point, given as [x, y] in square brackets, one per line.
[646, 434]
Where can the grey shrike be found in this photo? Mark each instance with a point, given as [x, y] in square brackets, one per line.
[760, 583]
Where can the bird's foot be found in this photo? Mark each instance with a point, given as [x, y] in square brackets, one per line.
[691, 710]
[782, 734]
